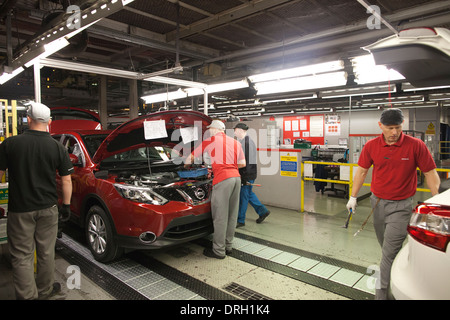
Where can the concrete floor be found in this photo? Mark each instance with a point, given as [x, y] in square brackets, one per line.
[317, 230]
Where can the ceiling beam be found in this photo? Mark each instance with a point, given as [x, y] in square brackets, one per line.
[225, 17]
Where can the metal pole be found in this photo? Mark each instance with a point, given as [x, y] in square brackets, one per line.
[37, 82]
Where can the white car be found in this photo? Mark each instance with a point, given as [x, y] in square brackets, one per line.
[421, 270]
[421, 55]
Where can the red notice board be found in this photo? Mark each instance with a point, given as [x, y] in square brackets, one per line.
[299, 127]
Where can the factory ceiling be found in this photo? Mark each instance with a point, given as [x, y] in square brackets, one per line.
[207, 41]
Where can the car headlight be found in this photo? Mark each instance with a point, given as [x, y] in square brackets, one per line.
[140, 194]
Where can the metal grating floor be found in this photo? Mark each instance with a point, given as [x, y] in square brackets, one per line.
[245, 293]
[140, 276]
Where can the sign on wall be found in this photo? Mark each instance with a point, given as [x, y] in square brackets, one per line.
[288, 164]
[309, 128]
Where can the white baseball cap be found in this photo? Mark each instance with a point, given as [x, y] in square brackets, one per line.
[217, 124]
[38, 112]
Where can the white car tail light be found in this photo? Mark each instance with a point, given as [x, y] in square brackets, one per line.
[430, 225]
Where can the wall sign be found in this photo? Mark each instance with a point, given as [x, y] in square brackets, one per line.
[309, 128]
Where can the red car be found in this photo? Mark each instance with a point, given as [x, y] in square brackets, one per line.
[130, 189]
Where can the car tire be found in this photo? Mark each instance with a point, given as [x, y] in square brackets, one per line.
[100, 236]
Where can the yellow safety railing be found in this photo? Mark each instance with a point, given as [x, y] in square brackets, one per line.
[349, 183]
[443, 147]
[12, 115]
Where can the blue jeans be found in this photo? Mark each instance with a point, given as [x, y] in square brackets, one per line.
[248, 196]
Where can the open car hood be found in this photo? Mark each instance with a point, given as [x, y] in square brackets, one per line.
[131, 134]
[421, 55]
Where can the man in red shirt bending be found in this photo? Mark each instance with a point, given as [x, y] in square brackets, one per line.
[227, 157]
[395, 158]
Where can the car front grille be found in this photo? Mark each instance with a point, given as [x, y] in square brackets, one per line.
[193, 193]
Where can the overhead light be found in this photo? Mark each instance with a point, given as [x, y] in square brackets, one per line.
[299, 71]
[177, 82]
[8, 76]
[194, 91]
[396, 100]
[49, 49]
[166, 96]
[313, 96]
[439, 96]
[360, 91]
[366, 71]
[333, 79]
[227, 86]
[409, 87]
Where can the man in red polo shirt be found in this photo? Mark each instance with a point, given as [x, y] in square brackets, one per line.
[227, 157]
[395, 157]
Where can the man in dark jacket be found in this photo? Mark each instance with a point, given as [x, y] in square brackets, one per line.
[248, 176]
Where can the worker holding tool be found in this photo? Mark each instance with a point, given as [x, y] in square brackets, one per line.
[226, 157]
[248, 176]
[395, 157]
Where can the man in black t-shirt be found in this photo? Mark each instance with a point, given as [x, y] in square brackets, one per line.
[32, 160]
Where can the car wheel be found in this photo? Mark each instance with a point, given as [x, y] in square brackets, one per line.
[100, 237]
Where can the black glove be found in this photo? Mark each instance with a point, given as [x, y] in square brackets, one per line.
[64, 213]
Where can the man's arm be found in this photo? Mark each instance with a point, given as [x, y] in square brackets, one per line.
[358, 181]
[433, 181]
[2, 173]
[66, 189]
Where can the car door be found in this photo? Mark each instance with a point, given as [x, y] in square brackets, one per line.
[80, 172]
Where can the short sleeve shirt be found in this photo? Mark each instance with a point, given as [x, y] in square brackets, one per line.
[225, 153]
[394, 175]
[33, 159]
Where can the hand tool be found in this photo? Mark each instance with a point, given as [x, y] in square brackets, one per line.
[364, 224]
[348, 219]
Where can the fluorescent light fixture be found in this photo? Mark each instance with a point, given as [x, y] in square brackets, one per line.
[176, 82]
[366, 71]
[226, 86]
[360, 91]
[194, 91]
[409, 87]
[333, 79]
[49, 49]
[396, 100]
[166, 96]
[439, 96]
[299, 71]
[313, 96]
[8, 76]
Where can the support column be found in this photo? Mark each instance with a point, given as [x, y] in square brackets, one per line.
[102, 102]
[37, 82]
[133, 99]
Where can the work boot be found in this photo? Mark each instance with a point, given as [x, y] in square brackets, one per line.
[261, 218]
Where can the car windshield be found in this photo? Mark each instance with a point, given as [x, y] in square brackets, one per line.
[141, 157]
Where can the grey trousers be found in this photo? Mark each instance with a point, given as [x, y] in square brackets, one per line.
[225, 207]
[27, 232]
[390, 219]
